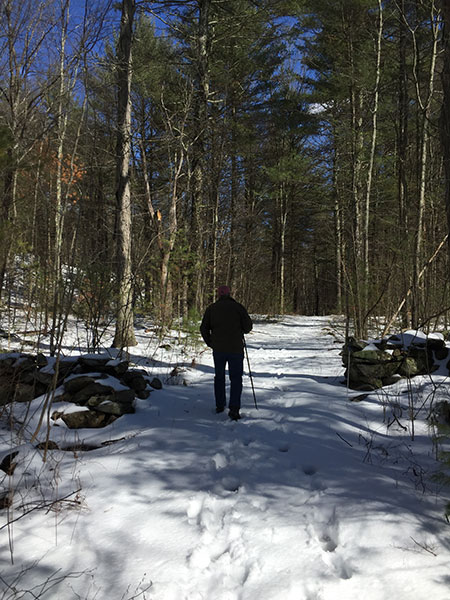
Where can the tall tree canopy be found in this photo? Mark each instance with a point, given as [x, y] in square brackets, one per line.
[291, 149]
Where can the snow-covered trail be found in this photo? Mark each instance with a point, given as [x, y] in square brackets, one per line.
[310, 518]
[306, 498]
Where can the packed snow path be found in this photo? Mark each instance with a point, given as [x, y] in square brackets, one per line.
[310, 497]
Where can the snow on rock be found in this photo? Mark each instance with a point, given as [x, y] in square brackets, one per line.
[370, 348]
[111, 382]
[412, 337]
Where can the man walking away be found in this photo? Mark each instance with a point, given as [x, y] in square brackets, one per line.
[223, 326]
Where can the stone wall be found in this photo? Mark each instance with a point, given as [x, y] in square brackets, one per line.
[373, 365]
[103, 388]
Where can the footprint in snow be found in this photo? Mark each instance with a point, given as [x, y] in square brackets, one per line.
[328, 544]
[219, 461]
[283, 447]
[327, 534]
[316, 484]
[338, 565]
[309, 469]
[312, 592]
[194, 509]
[231, 483]
[260, 503]
[201, 512]
[327, 530]
[221, 553]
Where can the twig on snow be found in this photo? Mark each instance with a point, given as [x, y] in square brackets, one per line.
[343, 439]
[423, 546]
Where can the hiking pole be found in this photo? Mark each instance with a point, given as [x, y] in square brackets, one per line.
[250, 373]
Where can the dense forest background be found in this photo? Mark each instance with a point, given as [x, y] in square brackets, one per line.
[294, 150]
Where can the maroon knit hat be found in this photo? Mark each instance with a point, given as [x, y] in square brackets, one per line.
[223, 290]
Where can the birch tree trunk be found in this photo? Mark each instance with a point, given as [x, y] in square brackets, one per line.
[124, 334]
[372, 158]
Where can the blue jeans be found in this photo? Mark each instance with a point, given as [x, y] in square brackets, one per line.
[235, 371]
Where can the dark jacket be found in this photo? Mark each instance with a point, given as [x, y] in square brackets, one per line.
[224, 324]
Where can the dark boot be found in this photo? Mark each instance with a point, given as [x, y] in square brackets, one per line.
[234, 414]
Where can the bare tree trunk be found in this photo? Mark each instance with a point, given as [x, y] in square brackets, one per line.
[172, 229]
[200, 199]
[339, 233]
[9, 187]
[425, 107]
[359, 293]
[25, 28]
[402, 136]
[372, 158]
[445, 112]
[283, 223]
[410, 290]
[61, 126]
[7, 214]
[124, 335]
[233, 194]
